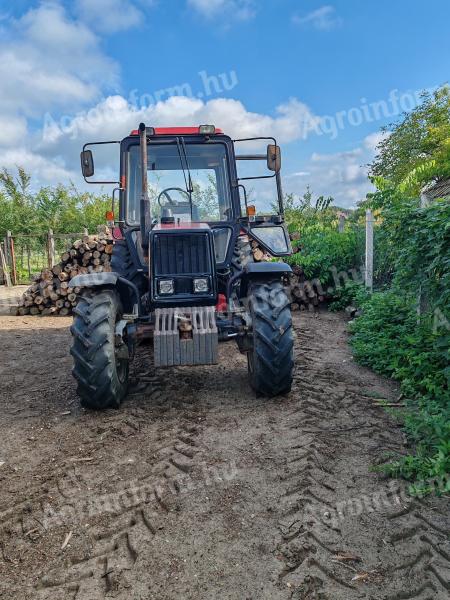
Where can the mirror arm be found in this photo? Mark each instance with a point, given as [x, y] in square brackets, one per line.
[100, 144]
[280, 193]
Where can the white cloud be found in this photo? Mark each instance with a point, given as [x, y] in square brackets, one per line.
[239, 10]
[371, 141]
[342, 175]
[298, 174]
[110, 16]
[323, 18]
[12, 129]
[55, 154]
[50, 61]
[114, 117]
[59, 142]
[43, 171]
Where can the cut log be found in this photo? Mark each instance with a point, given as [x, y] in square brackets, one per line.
[258, 254]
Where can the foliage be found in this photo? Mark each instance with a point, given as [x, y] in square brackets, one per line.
[63, 208]
[351, 293]
[417, 148]
[323, 251]
[326, 252]
[388, 338]
[404, 332]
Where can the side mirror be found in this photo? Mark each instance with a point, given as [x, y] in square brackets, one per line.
[87, 163]
[273, 158]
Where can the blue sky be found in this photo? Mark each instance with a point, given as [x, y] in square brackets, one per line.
[321, 76]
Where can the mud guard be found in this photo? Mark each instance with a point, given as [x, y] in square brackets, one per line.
[128, 291]
[263, 271]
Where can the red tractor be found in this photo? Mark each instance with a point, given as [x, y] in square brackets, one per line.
[183, 266]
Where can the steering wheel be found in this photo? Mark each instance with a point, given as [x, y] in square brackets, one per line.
[169, 199]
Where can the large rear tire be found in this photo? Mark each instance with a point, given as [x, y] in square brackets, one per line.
[100, 368]
[271, 355]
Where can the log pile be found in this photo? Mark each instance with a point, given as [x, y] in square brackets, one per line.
[50, 293]
[305, 294]
[259, 254]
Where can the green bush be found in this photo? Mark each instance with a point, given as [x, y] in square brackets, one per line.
[388, 338]
[352, 293]
[324, 250]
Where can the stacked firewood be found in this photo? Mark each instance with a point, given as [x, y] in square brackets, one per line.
[305, 294]
[259, 254]
[50, 293]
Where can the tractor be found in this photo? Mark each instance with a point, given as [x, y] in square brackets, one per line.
[183, 269]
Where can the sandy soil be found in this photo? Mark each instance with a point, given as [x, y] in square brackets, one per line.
[196, 489]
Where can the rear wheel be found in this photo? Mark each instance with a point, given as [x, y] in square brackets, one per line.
[101, 367]
[271, 355]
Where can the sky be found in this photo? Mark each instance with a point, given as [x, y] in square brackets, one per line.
[323, 78]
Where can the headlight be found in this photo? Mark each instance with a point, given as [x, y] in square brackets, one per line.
[201, 285]
[166, 286]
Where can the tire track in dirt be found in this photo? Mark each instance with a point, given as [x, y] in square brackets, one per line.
[295, 512]
[107, 567]
[113, 526]
[337, 543]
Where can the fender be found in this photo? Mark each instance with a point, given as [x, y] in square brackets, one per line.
[126, 289]
[260, 271]
[256, 269]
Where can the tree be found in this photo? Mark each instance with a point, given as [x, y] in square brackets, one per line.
[417, 147]
[62, 208]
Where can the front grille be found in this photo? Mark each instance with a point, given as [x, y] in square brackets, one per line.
[181, 254]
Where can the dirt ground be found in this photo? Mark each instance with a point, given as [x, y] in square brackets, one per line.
[197, 489]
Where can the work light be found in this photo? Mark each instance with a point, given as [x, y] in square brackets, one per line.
[166, 286]
[201, 285]
[207, 129]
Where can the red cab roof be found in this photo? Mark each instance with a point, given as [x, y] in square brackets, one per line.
[175, 131]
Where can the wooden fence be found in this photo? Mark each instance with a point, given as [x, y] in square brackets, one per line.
[24, 255]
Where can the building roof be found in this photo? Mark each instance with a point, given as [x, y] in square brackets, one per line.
[437, 189]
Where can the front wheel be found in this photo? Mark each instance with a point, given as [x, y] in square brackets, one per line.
[101, 367]
[271, 354]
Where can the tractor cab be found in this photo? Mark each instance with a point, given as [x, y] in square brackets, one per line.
[194, 262]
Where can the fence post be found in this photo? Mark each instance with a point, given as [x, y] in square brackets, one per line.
[12, 257]
[51, 255]
[368, 275]
[341, 223]
[4, 267]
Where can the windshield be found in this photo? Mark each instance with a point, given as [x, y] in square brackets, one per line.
[207, 164]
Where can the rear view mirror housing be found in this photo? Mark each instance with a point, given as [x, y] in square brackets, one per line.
[87, 163]
[273, 158]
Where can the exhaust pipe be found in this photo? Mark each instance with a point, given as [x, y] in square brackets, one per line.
[145, 216]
